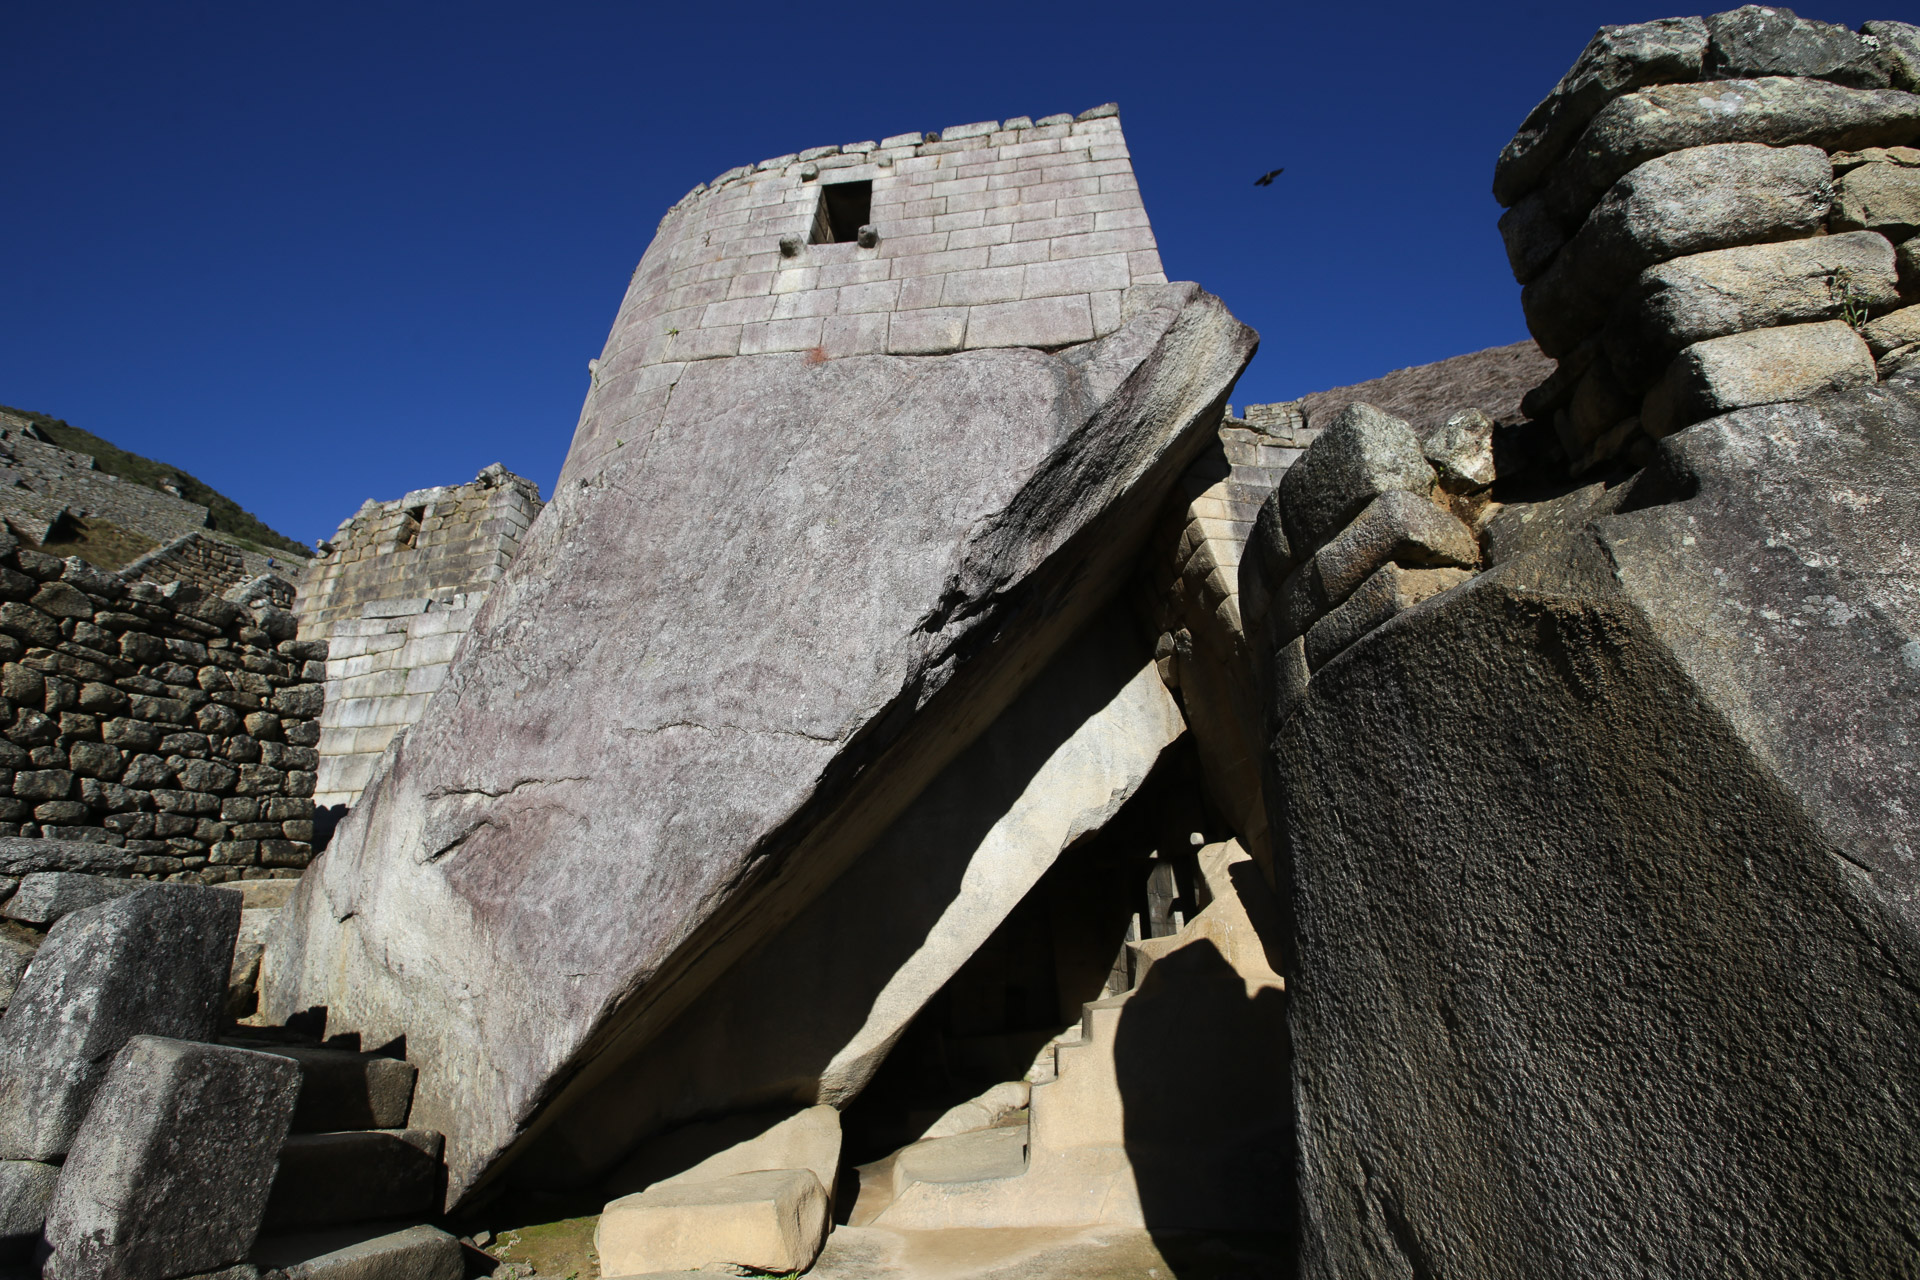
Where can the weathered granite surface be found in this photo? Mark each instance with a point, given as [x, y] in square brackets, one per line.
[151, 963]
[716, 670]
[1606, 933]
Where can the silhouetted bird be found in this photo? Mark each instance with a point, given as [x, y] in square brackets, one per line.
[1266, 179]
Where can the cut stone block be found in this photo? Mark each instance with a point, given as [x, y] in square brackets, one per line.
[1758, 40]
[1703, 198]
[1710, 295]
[151, 963]
[26, 1188]
[45, 896]
[1879, 197]
[21, 856]
[773, 1221]
[340, 1089]
[264, 895]
[1896, 329]
[364, 1252]
[1774, 110]
[1402, 527]
[1617, 60]
[330, 1178]
[1767, 366]
[170, 1172]
[1390, 591]
[1362, 454]
[987, 1111]
[808, 1139]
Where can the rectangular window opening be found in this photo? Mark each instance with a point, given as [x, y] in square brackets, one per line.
[844, 208]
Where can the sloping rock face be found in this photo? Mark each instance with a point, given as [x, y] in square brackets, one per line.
[1605, 956]
[726, 657]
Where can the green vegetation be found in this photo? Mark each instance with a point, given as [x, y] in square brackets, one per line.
[224, 514]
[101, 543]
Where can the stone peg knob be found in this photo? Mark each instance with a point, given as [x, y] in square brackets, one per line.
[790, 246]
[808, 172]
[868, 236]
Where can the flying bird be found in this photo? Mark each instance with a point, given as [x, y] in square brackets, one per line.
[1266, 179]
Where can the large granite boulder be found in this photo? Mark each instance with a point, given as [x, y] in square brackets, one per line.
[1605, 956]
[726, 657]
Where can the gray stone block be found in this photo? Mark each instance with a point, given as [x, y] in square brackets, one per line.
[1460, 451]
[20, 856]
[170, 1173]
[1775, 111]
[46, 896]
[366, 1252]
[1767, 366]
[1711, 295]
[1617, 60]
[1754, 41]
[1892, 331]
[330, 1178]
[1899, 50]
[26, 1188]
[151, 963]
[1389, 591]
[1401, 527]
[1709, 197]
[1879, 197]
[1360, 455]
[344, 1090]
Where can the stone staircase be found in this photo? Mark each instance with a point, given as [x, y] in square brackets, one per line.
[1156, 1113]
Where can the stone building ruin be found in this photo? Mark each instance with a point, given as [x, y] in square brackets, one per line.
[1040, 821]
[391, 594]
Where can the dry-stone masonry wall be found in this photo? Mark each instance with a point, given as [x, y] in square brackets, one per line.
[996, 234]
[1705, 214]
[175, 725]
[393, 593]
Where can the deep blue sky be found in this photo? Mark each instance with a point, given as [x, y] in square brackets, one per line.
[319, 253]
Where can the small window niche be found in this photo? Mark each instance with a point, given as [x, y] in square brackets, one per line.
[844, 208]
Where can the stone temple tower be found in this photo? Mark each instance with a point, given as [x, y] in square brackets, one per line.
[1015, 233]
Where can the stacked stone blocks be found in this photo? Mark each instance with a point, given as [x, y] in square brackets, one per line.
[427, 547]
[1705, 213]
[995, 234]
[176, 725]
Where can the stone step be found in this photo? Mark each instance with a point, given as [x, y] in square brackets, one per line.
[362, 1251]
[984, 1155]
[346, 1090]
[328, 1179]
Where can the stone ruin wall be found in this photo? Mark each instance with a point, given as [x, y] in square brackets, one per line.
[40, 482]
[392, 593]
[996, 234]
[172, 724]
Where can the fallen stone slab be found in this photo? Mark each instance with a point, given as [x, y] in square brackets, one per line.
[340, 1089]
[1766, 366]
[807, 1139]
[772, 689]
[1711, 295]
[371, 1251]
[45, 896]
[1773, 110]
[1618, 834]
[20, 856]
[1756, 40]
[151, 963]
[1709, 197]
[26, 1188]
[1878, 197]
[772, 1221]
[1617, 60]
[170, 1172]
[326, 1179]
